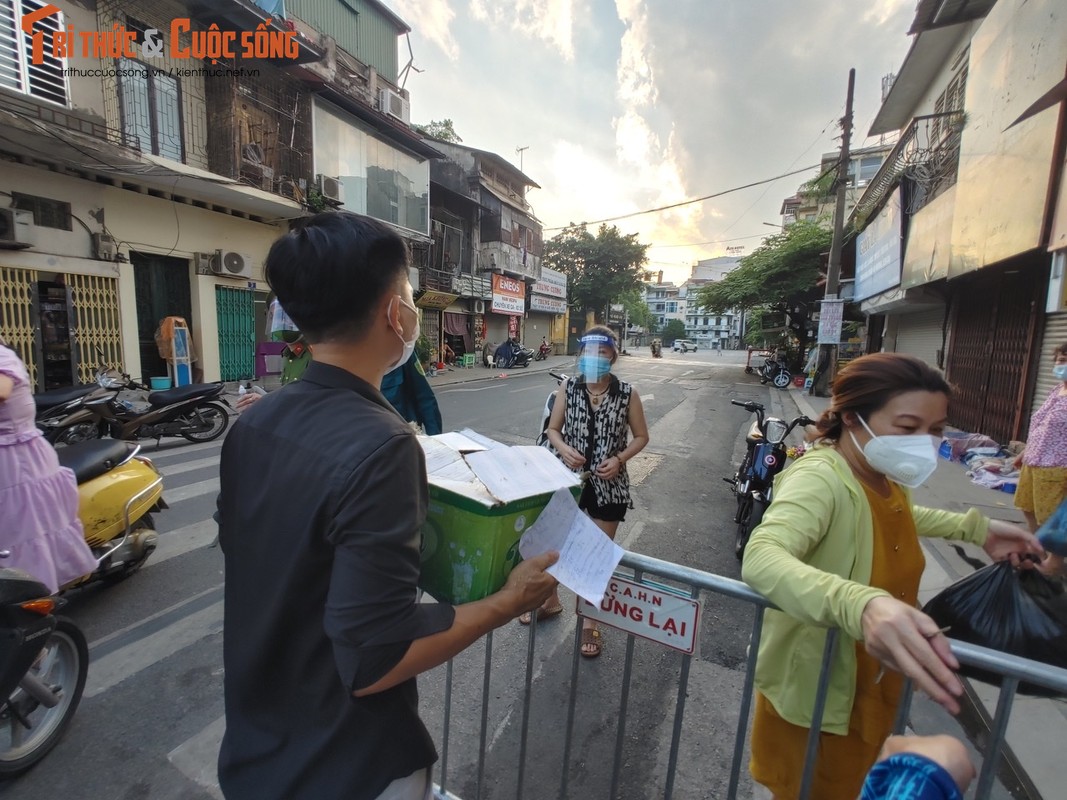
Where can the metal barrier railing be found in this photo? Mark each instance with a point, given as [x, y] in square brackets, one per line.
[691, 582]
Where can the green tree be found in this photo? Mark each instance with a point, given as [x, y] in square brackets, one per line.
[674, 329]
[780, 278]
[442, 130]
[600, 269]
[637, 311]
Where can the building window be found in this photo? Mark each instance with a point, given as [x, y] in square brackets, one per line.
[151, 105]
[868, 168]
[46, 213]
[46, 80]
[950, 100]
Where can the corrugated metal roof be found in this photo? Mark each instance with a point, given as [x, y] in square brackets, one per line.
[931, 14]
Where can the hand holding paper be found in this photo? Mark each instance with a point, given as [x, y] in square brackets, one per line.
[587, 557]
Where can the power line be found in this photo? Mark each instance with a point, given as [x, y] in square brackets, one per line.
[690, 202]
[715, 241]
[763, 194]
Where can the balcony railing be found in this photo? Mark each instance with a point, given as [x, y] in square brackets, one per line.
[928, 154]
[507, 257]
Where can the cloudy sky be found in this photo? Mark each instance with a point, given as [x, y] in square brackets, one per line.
[626, 105]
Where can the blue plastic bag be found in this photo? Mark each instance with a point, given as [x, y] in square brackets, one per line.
[1053, 532]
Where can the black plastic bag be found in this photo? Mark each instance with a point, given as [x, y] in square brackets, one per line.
[1015, 611]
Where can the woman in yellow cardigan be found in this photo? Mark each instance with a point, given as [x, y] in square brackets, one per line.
[839, 548]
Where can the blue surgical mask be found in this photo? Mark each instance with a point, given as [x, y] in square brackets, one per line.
[1059, 372]
[594, 367]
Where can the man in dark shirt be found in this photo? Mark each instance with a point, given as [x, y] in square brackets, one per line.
[322, 501]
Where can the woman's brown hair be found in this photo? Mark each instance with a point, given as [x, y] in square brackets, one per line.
[866, 384]
[1059, 351]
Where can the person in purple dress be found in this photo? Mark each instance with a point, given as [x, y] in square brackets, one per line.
[39, 527]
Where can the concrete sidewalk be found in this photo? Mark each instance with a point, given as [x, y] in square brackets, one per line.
[1038, 727]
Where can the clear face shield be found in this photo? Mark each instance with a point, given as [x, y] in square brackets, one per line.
[595, 356]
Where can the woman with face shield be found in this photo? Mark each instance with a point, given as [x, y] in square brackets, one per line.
[597, 425]
[839, 548]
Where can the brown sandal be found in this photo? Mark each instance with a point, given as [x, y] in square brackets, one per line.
[543, 613]
[591, 642]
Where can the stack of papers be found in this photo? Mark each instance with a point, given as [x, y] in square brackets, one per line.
[490, 472]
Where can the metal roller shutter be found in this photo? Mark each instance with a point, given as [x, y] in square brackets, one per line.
[919, 334]
[1055, 335]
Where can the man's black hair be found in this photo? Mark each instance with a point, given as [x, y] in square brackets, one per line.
[331, 270]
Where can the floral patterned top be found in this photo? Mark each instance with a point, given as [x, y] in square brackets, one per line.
[1047, 445]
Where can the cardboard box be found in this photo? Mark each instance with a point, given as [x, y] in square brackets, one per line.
[483, 495]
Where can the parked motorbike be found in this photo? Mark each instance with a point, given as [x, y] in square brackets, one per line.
[520, 357]
[63, 418]
[774, 371]
[44, 660]
[546, 412]
[543, 351]
[765, 457]
[187, 411]
[117, 491]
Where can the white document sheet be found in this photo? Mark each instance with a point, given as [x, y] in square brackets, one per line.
[587, 557]
[512, 473]
[443, 461]
[458, 441]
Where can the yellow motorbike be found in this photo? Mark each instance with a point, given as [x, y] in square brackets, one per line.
[117, 492]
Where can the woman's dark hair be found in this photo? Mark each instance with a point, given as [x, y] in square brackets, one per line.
[331, 270]
[1060, 351]
[866, 384]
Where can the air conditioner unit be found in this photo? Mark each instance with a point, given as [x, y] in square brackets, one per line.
[330, 188]
[259, 175]
[231, 264]
[479, 306]
[288, 189]
[202, 263]
[104, 247]
[394, 104]
[17, 230]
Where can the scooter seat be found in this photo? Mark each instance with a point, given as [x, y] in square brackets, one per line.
[17, 586]
[170, 396]
[57, 397]
[92, 459]
[754, 438]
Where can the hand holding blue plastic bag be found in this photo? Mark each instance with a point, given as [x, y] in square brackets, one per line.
[1053, 532]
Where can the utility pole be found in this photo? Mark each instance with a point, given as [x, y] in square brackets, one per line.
[828, 350]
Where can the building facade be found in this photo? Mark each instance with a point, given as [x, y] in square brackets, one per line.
[487, 247]
[962, 228]
[719, 331]
[149, 179]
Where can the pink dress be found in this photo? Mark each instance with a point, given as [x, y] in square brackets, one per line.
[39, 522]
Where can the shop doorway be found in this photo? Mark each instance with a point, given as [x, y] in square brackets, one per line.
[161, 284]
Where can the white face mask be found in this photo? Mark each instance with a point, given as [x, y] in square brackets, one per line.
[1059, 372]
[409, 344]
[909, 460]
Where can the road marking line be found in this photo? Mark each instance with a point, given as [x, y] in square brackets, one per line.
[182, 540]
[647, 398]
[110, 670]
[190, 466]
[478, 389]
[163, 452]
[189, 491]
[197, 757]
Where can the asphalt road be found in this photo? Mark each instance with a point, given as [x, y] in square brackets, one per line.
[149, 724]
